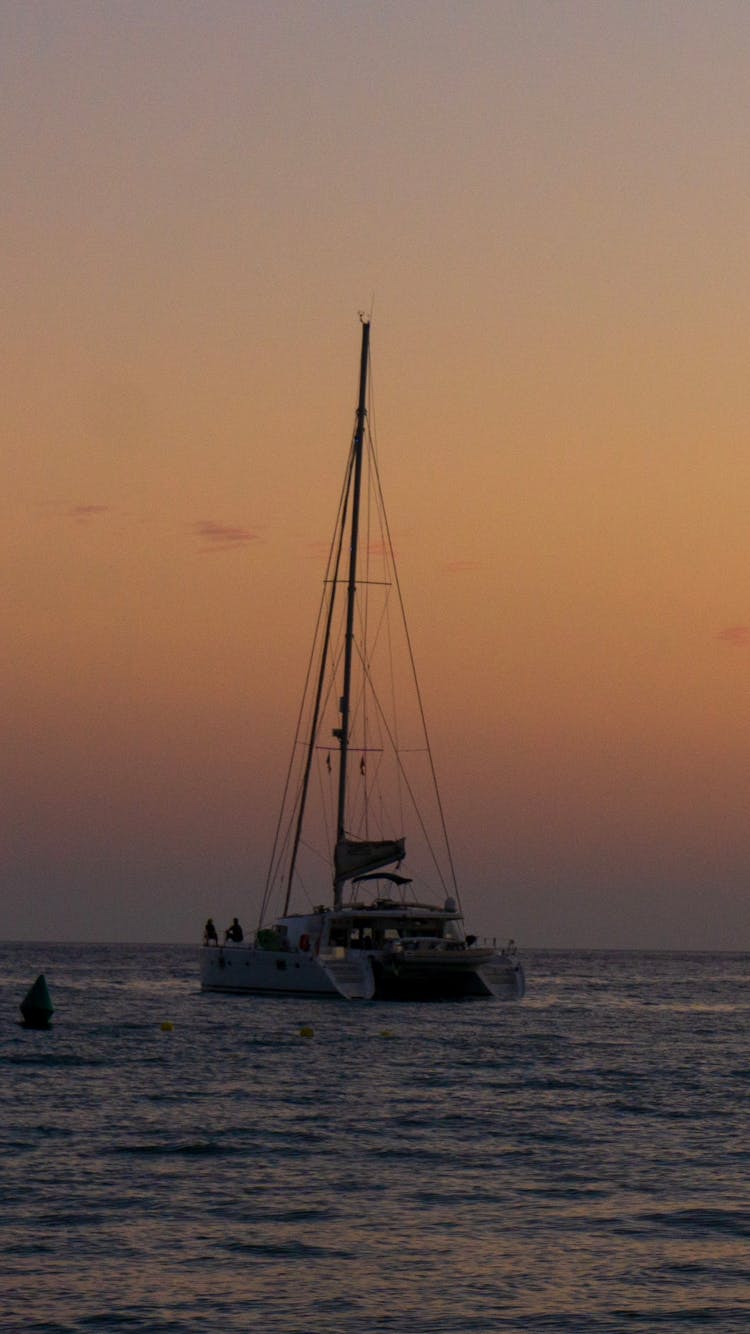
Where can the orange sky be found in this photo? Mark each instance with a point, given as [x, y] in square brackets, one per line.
[548, 205]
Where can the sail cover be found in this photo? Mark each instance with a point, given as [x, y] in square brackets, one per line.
[354, 856]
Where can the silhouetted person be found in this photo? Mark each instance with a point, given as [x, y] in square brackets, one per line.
[209, 933]
[234, 932]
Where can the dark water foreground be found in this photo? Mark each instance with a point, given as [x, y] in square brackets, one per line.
[578, 1162]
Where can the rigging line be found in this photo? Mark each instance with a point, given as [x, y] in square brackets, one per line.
[343, 508]
[389, 570]
[281, 842]
[415, 804]
[315, 852]
[331, 565]
[293, 807]
[326, 795]
[390, 566]
[397, 583]
[300, 879]
[282, 839]
[383, 617]
[392, 684]
[369, 688]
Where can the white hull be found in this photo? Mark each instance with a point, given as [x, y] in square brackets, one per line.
[245, 969]
[422, 975]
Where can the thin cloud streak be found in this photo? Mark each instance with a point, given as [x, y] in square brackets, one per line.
[83, 512]
[222, 536]
[461, 566]
[736, 635]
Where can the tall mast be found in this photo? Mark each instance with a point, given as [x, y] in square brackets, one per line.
[343, 732]
[334, 564]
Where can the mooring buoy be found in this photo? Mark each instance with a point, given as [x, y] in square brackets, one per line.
[36, 1007]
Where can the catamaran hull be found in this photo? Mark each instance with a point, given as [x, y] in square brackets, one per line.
[244, 970]
[418, 980]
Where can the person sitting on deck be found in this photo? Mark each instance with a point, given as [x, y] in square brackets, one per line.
[234, 932]
[209, 933]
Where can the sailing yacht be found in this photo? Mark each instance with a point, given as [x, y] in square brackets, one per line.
[360, 918]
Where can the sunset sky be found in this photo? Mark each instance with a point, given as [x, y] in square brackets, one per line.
[546, 206]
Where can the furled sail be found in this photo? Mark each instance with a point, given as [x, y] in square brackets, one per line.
[355, 856]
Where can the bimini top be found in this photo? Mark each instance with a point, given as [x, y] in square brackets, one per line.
[383, 875]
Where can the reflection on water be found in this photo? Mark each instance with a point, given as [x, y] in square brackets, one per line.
[576, 1162]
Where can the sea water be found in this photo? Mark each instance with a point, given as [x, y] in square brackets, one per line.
[575, 1162]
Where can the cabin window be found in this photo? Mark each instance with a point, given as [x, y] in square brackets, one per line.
[361, 938]
[433, 929]
[281, 964]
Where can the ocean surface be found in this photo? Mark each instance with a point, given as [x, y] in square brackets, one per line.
[578, 1161]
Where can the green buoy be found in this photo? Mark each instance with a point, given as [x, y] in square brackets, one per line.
[36, 1006]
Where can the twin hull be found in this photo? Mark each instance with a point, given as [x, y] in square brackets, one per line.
[422, 974]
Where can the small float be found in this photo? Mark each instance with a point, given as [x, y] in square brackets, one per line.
[36, 1007]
